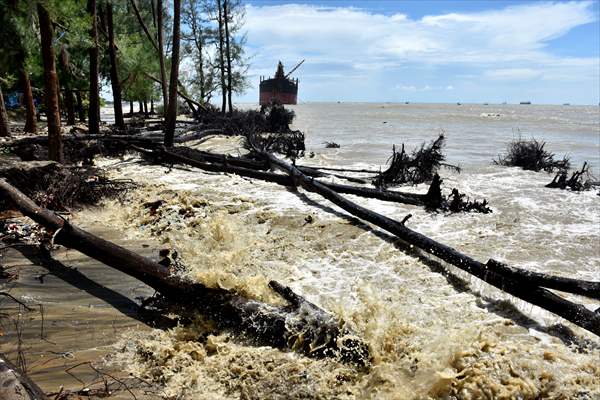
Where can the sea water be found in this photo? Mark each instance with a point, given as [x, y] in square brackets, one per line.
[433, 331]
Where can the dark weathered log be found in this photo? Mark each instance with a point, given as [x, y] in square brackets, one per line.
[219, 163]
[585, 288]
[17, 386]
[520, 286]
[283, 327]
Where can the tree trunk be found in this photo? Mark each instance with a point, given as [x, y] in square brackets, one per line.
[518, 286]
[68, 95]
[4, 130]
[130, 108]
[94, 110]
[55, 146]
[30, 120]
[173, 85]
[80, 110]
[228, 53]
[302, 325]
[16, 386]
[146, 108]
[70, 106]
[114, 75]
[140, 106]
[152, 106]
[221, 60]
[161, 56]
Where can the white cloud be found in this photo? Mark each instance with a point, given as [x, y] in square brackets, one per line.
[364, 55]
[513, 74]
[372, 41]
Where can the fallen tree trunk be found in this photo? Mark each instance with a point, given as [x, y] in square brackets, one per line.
[245, 168]
[312, 331]
[518, 284]
[17, 386]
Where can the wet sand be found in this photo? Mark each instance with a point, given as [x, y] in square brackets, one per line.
[86, 307]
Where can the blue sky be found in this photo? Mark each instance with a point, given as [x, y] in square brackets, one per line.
[430, 51]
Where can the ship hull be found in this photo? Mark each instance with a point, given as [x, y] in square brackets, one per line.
[281, 89]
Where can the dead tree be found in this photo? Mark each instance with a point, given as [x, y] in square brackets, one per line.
[576, 182]
[417, 167]
[300, 325]
[520, 284]
[531, 155]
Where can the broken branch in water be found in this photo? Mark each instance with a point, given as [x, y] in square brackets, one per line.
[576, 182]
[311, 330]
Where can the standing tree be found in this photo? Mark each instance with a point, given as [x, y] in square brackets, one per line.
[67, 79]
[173, 85]
[4, 131]
[114, 75]
[94, 109]
[200, 38]
[227, 53]
[230, 49]
[222, 56]
[55, 146]
[158, 14]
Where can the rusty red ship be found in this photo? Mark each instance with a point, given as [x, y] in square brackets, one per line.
[281, 87]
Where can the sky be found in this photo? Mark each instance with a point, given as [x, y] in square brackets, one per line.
[429, 51]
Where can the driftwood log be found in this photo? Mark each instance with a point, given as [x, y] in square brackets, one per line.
[300, 326]
[525, 285]
[16, 386]
[253, 169]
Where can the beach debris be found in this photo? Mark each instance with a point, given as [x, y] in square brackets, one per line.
[531, 155]
[60, 187]
[517, 282]
[256, 169]
[301, 325]
[417, 167]
[580, 180]
[331, 145]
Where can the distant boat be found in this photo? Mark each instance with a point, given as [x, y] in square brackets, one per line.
[525, 102]
[407, 102]
[485, 104]
[566, 104]
[458, 104]
[280, 87]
